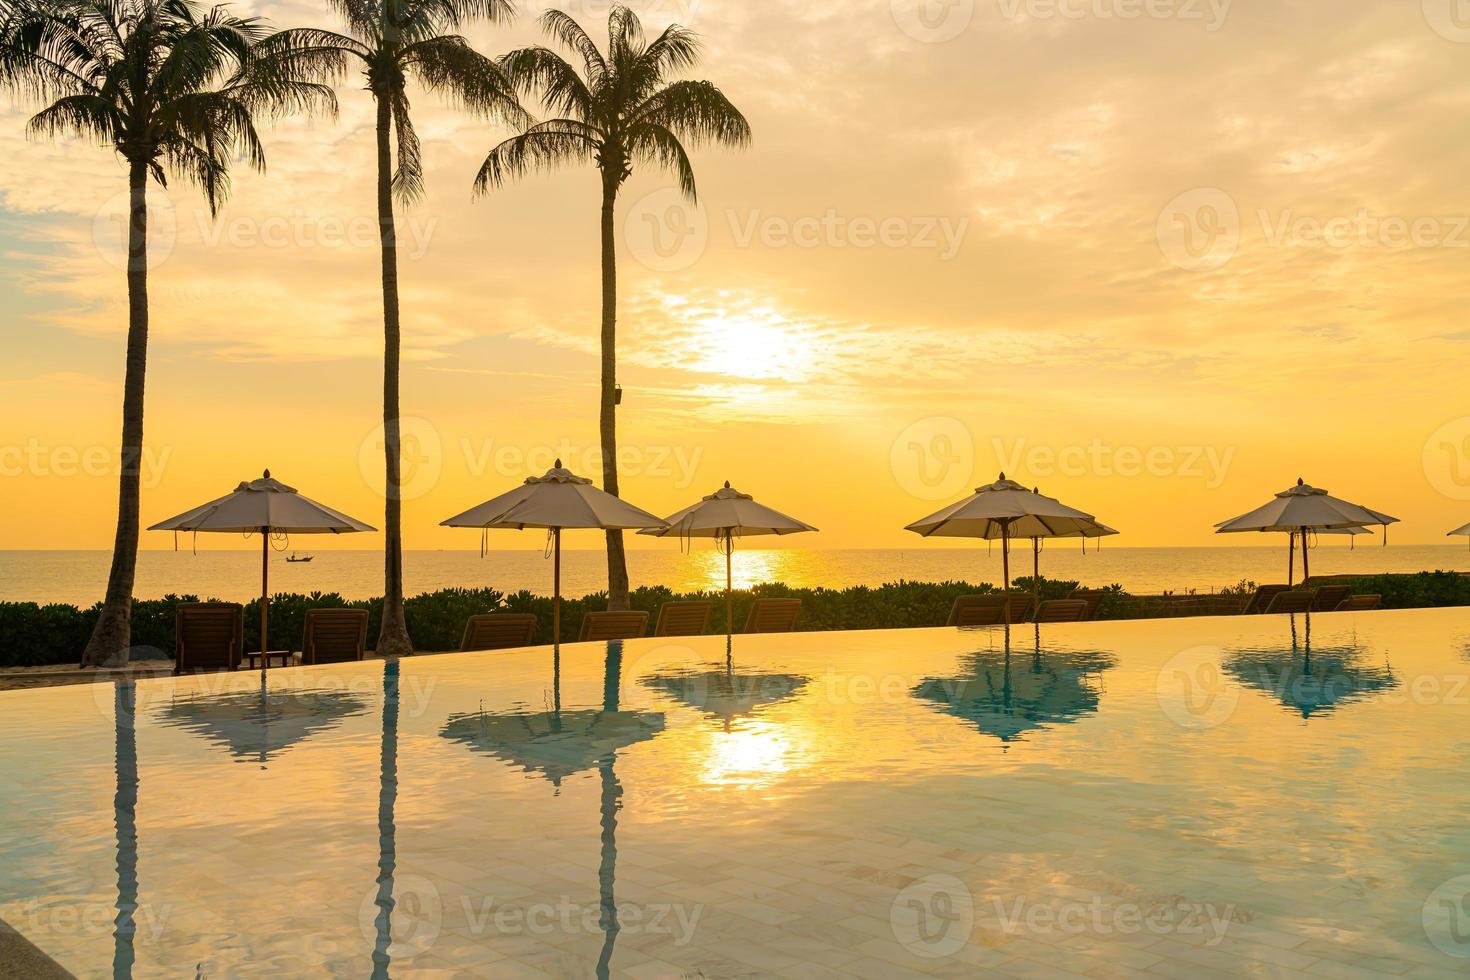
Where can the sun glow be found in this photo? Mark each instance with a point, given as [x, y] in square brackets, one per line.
[758, 344]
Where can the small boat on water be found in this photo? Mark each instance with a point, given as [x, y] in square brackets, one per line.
[295, 559]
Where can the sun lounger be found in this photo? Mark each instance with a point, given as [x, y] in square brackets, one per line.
[773, 616]
[1360, 603]
[601, 626]
[1062, 611]
[1093, 598]
[1262, 599]
[334, 636]
[498, 631]
[683, 619]
[1329, 597]
[208, 636]
[989, 609]
[1299, 601]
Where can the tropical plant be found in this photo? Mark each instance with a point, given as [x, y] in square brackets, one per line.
[621, 111]
[394, 41]
[173, 87]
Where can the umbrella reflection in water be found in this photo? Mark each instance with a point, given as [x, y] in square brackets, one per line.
[1306, 680]
[558, 744]
[1007, 699]
[252, 726]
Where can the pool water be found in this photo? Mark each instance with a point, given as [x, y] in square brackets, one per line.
[1264, 796]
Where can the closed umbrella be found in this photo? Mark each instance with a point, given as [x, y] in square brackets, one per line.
[555, 502]
[267, 507]
[1004, 510]
[1303, 509]
[725, 515]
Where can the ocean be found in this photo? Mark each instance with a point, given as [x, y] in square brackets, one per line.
[78, 577]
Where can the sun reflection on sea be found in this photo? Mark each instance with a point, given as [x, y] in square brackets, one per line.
[751, 568]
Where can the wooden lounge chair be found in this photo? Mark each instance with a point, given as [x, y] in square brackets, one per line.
[1329, 597]
[1093, 598]
[601, 626]
[1023, 604]
[208, 636]
[1360, 603]
[683, 619]
[976, 610]
[1298, 601]
[334, 636]
[1062, 611]
[498, 631]
[1262, 599]
[773, 616]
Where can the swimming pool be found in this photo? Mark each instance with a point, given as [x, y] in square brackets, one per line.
[1262, 796]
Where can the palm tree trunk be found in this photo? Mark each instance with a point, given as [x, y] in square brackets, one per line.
[111, 637]
[617, 561]
[393, 639]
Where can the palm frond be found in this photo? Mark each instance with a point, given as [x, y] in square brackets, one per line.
[82, 115]
[697, 112]
[449, 67]
[657, 145]
[408, 176]
[540, 69]
[569, 33]
[544, 146]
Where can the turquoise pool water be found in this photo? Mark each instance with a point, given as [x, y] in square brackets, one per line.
[1249, 796]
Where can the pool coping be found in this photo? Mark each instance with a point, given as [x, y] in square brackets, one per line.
[20, 959]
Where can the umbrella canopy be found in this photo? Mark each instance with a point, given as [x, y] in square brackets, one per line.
[1463, 532]
[268, 507]
[555, 502]
[1301, 509]
[726, 515]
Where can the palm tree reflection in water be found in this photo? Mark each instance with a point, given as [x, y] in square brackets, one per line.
[125, 807]
[387, 830]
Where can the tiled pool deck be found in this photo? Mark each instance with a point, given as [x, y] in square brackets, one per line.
[1188, 798]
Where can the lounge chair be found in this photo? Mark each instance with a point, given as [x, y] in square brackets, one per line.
[1298, 601]
[1062, 611]
[683, 619]
[1360, 603]
[208, 636]
[1329, 597]
[1023, 604]
[773, 616]
[1093, 598]
[601, 626]
[498, 631]
[1262, 599]
[989, 609]
[334, 636]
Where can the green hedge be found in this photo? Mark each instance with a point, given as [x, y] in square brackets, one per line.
[32, 634]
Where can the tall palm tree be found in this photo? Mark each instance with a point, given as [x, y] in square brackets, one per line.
[173, 87]
[622, 110]
[393, 40]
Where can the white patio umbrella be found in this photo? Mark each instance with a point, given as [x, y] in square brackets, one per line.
[555, 502]
[1463, 532]
[1304, 509]
[1005, 510]
[1091, 531]
[269, 508]
[725, 515]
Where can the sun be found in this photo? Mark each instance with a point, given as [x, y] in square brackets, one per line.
[758, 344]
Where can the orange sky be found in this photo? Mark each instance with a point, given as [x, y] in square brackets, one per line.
[1160, 259]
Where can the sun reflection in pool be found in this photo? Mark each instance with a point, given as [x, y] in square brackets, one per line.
[755, 754]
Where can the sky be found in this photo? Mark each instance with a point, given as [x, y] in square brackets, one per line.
[1159, 258]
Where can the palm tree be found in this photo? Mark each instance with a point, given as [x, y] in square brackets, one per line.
[621, 111]
[393, 40]
[172, 87]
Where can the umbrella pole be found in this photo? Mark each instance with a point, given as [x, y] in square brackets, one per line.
[265, 554]
[729, 586]
[1036, 570]
[556, 587]
[1291, 560]
[1306, 559]
[1005, 565]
